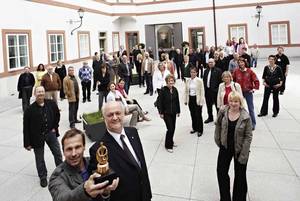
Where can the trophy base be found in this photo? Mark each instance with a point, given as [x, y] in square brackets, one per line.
[110, 176]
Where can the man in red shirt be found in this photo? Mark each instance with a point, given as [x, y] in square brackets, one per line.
[249, 82]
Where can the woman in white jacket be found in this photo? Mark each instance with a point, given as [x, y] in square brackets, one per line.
[194, 97]
[225, 88]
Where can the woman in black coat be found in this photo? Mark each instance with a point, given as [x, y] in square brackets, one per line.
[272, 80]
[62, 73]
[169, 107]
[102, 79]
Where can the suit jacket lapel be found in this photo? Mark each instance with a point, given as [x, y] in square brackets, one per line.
[134, 143]
[117, 149]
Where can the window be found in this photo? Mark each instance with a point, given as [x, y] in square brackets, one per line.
[132, 39]
[56, 44]
[116, 41]
[196, 37]
[18, 52]
[238, 31]
[279, 33]
[102, 41]
[84, 44]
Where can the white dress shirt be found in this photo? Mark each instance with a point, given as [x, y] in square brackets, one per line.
[192, 87]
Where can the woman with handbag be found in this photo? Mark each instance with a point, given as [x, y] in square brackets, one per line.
[169, 108]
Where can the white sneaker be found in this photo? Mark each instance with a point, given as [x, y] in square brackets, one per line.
[170, 150]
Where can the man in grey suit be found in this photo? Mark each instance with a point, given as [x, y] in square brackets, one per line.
[147, 71]
[70, 180]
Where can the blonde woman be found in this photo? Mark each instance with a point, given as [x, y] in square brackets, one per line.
[225, 88]
[233, 136]
[194, 97]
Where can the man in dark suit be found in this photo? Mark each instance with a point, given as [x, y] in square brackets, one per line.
[185, 68]
[96, 70]
[211, 79]
[40, 125]
[125, 72]
[25, 84]
[125, 156]
[178, 61]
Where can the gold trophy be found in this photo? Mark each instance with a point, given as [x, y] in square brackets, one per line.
[103, 166]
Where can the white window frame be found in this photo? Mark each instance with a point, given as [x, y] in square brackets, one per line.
[105, 41]
[238, 34]
[277, 38]
[17, 56]
[116, 41]
[84, 46]
[56, 47]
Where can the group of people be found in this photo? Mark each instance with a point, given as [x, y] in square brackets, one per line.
[230, 88]
[74, 178]
[232, 95]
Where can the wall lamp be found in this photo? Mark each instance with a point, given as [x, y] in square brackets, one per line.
[80, 13]
[258, 12]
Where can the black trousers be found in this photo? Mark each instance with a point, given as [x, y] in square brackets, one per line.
[139, 72]
[94, 82]
[170, 121]
[178, 70]
[26, 94]
[54, 146]
[127, 80]
[149, 84]
[73, 109]
[267, 93]
[240, 187]
[211, 99]
[86, 90]
[196, 114]
[61, 92]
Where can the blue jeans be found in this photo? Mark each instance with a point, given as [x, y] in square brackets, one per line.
[254, 62]
[249, 99]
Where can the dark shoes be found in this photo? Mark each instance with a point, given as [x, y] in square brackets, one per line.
[151, 93]
[89, 100]
[146, 92]
[275, 115]
[43, 182]
[261, 115]
[77, 121]
[83, 100]
[208, 121]
[281, 93]
[192, 132]
[199, 134]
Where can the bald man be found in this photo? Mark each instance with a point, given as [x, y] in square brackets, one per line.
[212, 78]
[40, 125]
[125, 156]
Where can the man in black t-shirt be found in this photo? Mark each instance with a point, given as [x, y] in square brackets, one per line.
[283, 62]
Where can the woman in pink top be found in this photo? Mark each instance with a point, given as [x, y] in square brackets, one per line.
[241, 45]
[129, 101]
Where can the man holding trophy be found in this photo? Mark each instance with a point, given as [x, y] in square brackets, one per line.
[121, 148]
[71, 180]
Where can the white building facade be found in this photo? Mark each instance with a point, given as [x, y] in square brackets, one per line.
[39, 31]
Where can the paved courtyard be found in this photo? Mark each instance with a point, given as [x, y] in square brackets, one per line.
[187, 174]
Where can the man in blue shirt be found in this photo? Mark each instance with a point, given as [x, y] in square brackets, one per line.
[85, 75]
